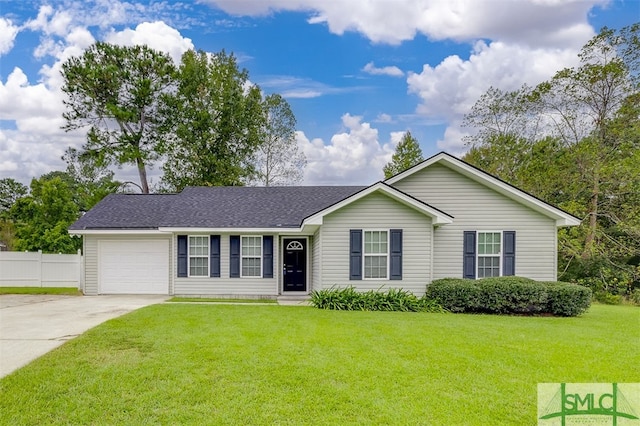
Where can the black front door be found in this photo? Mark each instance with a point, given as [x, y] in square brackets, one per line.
[294, 275]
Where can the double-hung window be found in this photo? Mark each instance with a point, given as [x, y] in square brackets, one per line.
[489, 254]
[199, 256]
[251, 256]
[376, 254]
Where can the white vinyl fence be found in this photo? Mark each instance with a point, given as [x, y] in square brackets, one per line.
[29, 269]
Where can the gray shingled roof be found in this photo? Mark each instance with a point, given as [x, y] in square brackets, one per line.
[214, 207]
[126, 211]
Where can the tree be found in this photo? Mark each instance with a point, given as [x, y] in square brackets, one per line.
[408, 154]
[117, 92]
[218, 119]
[278, 161]
[501, 114]
[10, 191]
[579, 104]
[583, 158]
[91, 180]
[41, 219]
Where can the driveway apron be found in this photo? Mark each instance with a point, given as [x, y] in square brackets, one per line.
[32, 325]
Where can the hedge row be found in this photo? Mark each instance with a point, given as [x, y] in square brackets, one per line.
[349, 299]
[510, 295]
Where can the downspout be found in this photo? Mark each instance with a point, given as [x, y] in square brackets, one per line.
[433, 236]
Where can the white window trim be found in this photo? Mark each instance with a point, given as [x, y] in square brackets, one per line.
[251, 257]
[388, 231]
[189, 256]
[499, 255]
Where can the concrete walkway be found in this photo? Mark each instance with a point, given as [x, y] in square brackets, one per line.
[32, 325]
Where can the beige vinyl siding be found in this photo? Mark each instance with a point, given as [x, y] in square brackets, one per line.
[91, 254]
[225, 286]
[376, 212]
[478, 208]
[316, 262]
[90, 257]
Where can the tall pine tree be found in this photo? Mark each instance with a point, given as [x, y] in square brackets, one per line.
[408, 154]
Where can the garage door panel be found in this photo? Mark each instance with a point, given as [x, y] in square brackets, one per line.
[134, 267]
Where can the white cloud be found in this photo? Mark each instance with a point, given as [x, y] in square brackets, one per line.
[532, 22]
[156, 35]
[20, 101]
[8, 33]
[392, 71]
[383, 118]
[301, 88]
[36, 144]
[448, 90]
[452, 142]
[353, 157]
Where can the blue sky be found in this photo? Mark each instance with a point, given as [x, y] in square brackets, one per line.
[357, 73]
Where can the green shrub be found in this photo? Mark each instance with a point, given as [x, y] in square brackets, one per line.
[515, 295]
[607, 298]
[509, 295]
[567, 299]
[349, 299]
[455, 295]
[635, 297]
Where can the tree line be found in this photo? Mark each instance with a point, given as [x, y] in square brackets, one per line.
[574, 141]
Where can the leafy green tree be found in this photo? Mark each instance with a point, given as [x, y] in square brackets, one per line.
[408, 154]
[10, 191]
[117, 93]
[91, 181]
[218, 119]
[41, 219]
[278, 160]
[580, 104]
[7, 233]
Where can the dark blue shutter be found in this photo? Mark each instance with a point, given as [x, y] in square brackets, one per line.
[214, 256]
[182, 256]
[267, 256]
[355, 254]
[509, 253]
[234, 258]
[396, 255]
[469, 255]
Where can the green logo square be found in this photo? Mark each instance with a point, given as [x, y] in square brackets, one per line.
[566, 404]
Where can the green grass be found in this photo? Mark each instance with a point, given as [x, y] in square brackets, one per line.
[220, 300]
[244, 364]
[41, 290]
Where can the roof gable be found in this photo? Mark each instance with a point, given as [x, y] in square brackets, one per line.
[561, 217]
[438, 217]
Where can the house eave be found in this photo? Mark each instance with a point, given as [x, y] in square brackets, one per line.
[277, 230]
[114, 231]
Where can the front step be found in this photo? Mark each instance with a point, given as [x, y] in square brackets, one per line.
[296, 300]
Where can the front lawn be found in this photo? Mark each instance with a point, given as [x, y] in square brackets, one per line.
[247, 364]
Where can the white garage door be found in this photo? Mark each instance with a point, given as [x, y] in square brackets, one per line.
[133, 267]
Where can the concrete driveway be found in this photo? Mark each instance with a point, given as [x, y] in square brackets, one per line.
[32, 325]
